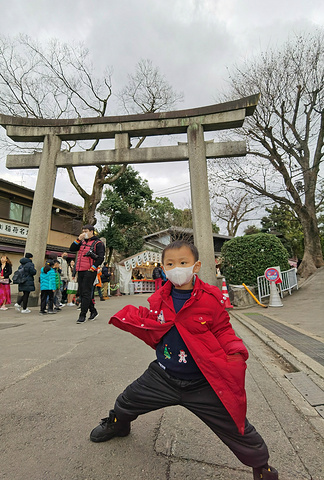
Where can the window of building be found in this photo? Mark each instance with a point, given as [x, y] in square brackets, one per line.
[19, 213]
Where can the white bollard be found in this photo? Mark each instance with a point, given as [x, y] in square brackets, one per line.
[275, 300]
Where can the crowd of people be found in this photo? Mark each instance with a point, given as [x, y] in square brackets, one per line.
[62, 282]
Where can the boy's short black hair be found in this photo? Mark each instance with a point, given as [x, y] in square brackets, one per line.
[182, 243]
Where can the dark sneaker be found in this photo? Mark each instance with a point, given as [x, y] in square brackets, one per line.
[51, 311]
[109, 428]
[268, 473]
[93, 315]
[57, 309]
[81, 318]
[42, 313]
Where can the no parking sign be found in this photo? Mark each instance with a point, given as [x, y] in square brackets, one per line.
[273, 274]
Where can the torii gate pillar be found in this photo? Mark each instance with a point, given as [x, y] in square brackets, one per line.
[41, 213]
[193, 122]
[202, 226]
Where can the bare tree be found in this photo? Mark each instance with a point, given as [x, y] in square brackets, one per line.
[286, 132]
[147, 90]
[232, 207]
[57, 81]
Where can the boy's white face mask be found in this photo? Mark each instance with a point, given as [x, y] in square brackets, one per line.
[180, 275]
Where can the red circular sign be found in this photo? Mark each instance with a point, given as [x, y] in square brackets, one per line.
[272, 274]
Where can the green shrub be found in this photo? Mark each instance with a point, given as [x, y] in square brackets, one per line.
[246, 258]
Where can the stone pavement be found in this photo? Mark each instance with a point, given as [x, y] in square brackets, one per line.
[58, 379]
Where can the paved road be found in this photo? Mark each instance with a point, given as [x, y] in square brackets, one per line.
[58, 379]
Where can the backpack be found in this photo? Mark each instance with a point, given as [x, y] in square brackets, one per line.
[19, 276]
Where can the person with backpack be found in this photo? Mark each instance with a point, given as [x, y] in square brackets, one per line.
[157, 276]
[91, 252]
[25, 281]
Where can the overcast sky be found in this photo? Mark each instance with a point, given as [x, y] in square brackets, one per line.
[193, 42]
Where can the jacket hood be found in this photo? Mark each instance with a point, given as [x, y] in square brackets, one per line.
[25, 260]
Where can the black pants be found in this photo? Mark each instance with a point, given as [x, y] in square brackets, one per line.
[23, 300]
[44, 295]
[64, 291]
[156, 389]
[85, 281]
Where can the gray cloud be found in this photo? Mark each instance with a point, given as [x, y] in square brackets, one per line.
[191, 41]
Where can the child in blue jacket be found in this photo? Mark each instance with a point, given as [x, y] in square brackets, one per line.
[48, 286]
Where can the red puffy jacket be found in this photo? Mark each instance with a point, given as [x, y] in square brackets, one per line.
[204, 325]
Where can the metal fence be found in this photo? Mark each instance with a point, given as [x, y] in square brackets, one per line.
[289, 281]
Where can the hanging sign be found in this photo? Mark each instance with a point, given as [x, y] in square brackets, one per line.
[128, 265]
[142, 258]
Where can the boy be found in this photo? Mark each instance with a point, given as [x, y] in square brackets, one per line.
[200, 362]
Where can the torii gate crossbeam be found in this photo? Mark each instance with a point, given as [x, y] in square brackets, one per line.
[193, 122]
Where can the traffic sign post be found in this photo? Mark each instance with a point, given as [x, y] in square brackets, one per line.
[273, 275]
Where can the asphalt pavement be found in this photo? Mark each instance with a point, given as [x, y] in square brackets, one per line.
[59, 378]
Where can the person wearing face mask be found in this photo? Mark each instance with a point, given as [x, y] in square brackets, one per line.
[200, 362]
[64, 276]
[91, 252]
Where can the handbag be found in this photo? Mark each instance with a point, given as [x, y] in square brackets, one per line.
[72, 287]
[5, 281]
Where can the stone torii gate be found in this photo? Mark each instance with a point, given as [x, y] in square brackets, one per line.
[193, 122]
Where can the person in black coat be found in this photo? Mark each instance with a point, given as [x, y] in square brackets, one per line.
[157, 276]
[105, 279]
[28, 286]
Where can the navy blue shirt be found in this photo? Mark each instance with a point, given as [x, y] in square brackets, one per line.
[172, 352]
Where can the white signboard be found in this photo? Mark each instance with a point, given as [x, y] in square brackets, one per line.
[13, 230]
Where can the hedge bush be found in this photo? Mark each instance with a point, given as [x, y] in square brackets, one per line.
[245, 258]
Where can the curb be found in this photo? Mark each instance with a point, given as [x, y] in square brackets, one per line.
[297, 359]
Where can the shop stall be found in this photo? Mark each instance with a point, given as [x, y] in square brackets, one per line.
[136, 272]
